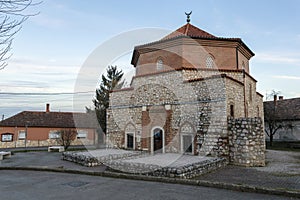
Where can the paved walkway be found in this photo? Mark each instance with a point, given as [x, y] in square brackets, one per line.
[281, 172]
[277, 175]
[51, 160]
[34, 185]
[168, 160]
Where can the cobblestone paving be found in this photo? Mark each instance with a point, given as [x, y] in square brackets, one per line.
[281, 172]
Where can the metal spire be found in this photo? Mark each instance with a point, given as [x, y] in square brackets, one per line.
[188, 16]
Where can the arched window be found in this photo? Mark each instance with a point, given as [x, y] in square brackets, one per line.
[159, 64]
[209, 62]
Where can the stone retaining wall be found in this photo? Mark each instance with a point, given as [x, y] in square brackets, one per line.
[89, 160]
[184, 172]
[246, 142]
[42, 143]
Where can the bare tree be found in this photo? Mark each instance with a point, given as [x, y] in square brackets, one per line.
[66, 137]
[272, 118]
[12, 16]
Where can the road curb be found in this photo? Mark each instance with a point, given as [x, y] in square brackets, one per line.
[220, 185]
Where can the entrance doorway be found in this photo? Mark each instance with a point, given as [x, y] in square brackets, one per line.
[187, 143]
[129, 141]
[157, 141]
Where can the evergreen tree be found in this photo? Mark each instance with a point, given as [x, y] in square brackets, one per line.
[110, 82]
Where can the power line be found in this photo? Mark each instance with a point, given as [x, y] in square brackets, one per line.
[43, 93]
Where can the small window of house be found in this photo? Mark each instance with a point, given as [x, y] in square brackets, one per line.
[159, 64]
[81, 134]
[7, 137]
[22, 135]
[209, 62]
[54, 134]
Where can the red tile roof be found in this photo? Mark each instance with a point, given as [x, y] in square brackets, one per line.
[190, 31]
[51, 120]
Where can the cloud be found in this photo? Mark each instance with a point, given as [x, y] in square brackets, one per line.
[278, 57]
[48, 22]
[29, 75]
[286, 77]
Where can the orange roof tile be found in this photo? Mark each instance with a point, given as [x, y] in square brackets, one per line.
[189, 30]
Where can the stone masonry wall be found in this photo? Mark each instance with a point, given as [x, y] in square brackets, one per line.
[246, 142]
[42, 143]
[200, 103]
[169, 101]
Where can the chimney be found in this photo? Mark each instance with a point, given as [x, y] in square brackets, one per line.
[47, 107]
[275, 99]
[280, 97]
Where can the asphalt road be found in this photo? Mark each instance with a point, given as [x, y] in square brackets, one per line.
[30, 185]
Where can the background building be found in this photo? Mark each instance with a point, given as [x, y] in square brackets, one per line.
[284, 113]
[33, 129]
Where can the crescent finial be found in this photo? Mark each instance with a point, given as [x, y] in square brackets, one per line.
[188, 16]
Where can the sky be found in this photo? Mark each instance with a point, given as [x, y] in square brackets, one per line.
[54, 46]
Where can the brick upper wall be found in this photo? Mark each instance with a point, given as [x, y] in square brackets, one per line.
[193, 54]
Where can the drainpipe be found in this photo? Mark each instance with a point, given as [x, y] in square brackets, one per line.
[26, 128]
[244, 80]
[237, 56]
[245, 99]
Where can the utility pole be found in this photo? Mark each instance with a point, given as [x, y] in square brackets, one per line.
[26, 128]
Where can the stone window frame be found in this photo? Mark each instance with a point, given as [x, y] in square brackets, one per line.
[181, 143]
[125, 140]
[159, 64]
[190, 133]
[210, 61]
[130, 132]
[152, 139]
